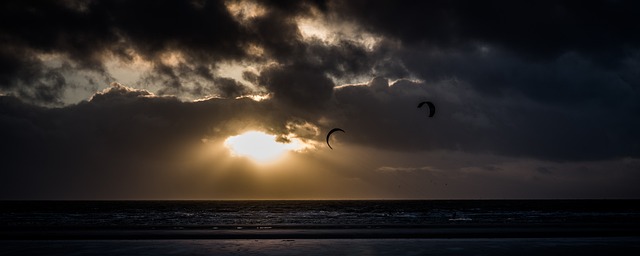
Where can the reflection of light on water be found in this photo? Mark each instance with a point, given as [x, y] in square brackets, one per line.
[460, 219]
[455, 217]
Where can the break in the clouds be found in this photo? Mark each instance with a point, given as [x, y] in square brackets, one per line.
[140, 95]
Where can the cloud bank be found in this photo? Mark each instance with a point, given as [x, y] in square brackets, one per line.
[552, 85]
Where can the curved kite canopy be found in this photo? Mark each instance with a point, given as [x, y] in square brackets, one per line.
[432, 108]
[329, 135]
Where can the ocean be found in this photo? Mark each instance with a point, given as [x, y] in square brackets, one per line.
[314, 212]
[320, 227]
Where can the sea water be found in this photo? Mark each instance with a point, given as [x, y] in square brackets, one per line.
[359, 227]
[313, 212]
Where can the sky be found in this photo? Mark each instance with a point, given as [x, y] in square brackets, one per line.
[233, 99]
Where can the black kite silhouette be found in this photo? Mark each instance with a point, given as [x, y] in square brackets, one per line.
[432, 108]
[329, 135]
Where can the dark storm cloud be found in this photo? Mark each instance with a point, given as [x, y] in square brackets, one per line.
[384, 116]
[28, 77]
[122, 142]
[431, 33]
[544, 49]
[298, 86]
[540, 29]
[569, 79]
[552, 80]
[203, 33]
[88, 33]
[230, 88]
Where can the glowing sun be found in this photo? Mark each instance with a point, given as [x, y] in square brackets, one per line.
[260, 147]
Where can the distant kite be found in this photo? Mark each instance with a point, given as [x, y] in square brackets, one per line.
[329, 135]
[432, 108]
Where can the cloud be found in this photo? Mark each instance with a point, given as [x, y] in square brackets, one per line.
[89, 34]
[553, 81]
[28, 78]
[390, 169]
[122, 137]
[230, 88]
[544, 29]
[299, 86]
[447, 174]
[386, 117]
[435, 41]
[129, 143]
